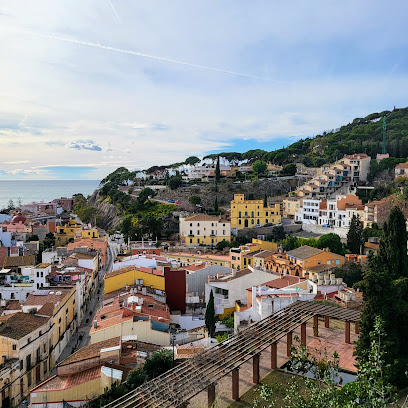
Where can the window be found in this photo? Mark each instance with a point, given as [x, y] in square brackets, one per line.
[337, 261]
[12, 295]
[191, 224]
[21, 365]
[252, 221]
[38, 274]
[191, 240]
[29, 379]
[28, 362]
[198, 224]
[14, 346]
[42, 274]
[239, 214]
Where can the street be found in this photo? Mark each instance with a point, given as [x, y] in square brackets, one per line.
[81, 337]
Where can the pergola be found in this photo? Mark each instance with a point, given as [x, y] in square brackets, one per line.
[180, 384]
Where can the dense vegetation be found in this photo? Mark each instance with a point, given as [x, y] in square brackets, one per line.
[385, 294]
[142, 217]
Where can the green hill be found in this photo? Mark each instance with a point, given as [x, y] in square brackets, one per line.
[362, 135]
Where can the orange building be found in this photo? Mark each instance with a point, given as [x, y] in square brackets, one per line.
[307, 256]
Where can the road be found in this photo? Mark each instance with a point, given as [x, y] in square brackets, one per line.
[81, 338]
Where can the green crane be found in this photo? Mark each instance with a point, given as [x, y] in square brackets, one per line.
[384, 135]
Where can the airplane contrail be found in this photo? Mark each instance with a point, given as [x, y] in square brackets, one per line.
[114, 10]
[154, 57]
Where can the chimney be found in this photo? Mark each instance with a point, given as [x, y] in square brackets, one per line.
[234, 272]
[95, 324]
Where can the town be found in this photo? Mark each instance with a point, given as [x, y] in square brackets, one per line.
[88, 314]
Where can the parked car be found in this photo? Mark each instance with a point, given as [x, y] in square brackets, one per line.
[170, 201]
[178, 202]
[258, 226]
[268, 224]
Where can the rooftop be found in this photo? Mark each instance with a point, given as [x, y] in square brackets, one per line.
[230, 277]
[304, 252]
[13, 261]
[90, 351]
[264, 254]
[42, 297]
[133, 268]
[283, 282]
[204, 217]
[21, 324]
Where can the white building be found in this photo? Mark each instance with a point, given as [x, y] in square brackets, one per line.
[309, 212]
[227, 289]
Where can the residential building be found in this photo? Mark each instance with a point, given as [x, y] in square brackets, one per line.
[260, 258]
[401, 170]
[138, 315]
[230, 288]
[66, 233]
[89, 245]
[25, 342]
[339, 176]
[204, 229]
[307, 256]
[252, 213]
[291, 205]
[197, 277]
[280, 264]
[17, 263]
[170, 281]
[59, 305]
[242, 256]
[86, 374]
[186, 258]
[377, 212]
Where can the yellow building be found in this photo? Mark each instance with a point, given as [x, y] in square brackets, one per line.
[130, 275]
[186, 258]
[252, 213]
[91, 233]
[66, 233]
[25, 345]
[307, 257]
[242, 257]
[84, 375]
[204, 229]
[291, 205]
[60, 305]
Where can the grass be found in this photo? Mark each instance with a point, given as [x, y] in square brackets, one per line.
[280, 380]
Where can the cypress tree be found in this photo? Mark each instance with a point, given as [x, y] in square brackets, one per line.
[355, 235]
[210, 316]
[385, 294]
[216, 204]
[217, 170]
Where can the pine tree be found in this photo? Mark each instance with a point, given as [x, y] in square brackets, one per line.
[216, 204]
[265, 200]
[355, 235]
[217, 170]
[210, 316]
[385, 294]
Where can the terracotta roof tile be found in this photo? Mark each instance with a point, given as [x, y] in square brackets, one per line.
[25, 260]
[283, 281]
[21, 324]
[304, 252]
[90, 351]
[264, 254]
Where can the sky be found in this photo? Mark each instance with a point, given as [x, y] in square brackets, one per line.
[88, 86]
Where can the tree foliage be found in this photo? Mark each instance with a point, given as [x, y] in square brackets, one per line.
[159, 362]
[350, 272]
[195, 200]
[217, 170]
[355, 235]
[385, 294]
[289, 169]
[210, 316]
[370, 388]
[259, 167]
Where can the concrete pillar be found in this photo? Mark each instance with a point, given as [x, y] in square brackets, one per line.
[211, 395]
[356, 328]
[303, 334]
[235, 384]
[255, 369]
[316, 326]
[288, 343]
[347, 334]
[326, 322]
[274, 355]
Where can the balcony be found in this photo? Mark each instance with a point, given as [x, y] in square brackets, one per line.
[191, 235]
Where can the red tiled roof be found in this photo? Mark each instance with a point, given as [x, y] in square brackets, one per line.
[283, 282]
[194, 267]
[41, 300]
[90, 351]
[21, 324]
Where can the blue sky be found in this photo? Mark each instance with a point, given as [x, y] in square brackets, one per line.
[103, 84]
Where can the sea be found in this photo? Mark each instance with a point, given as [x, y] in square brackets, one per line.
[28, 191]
